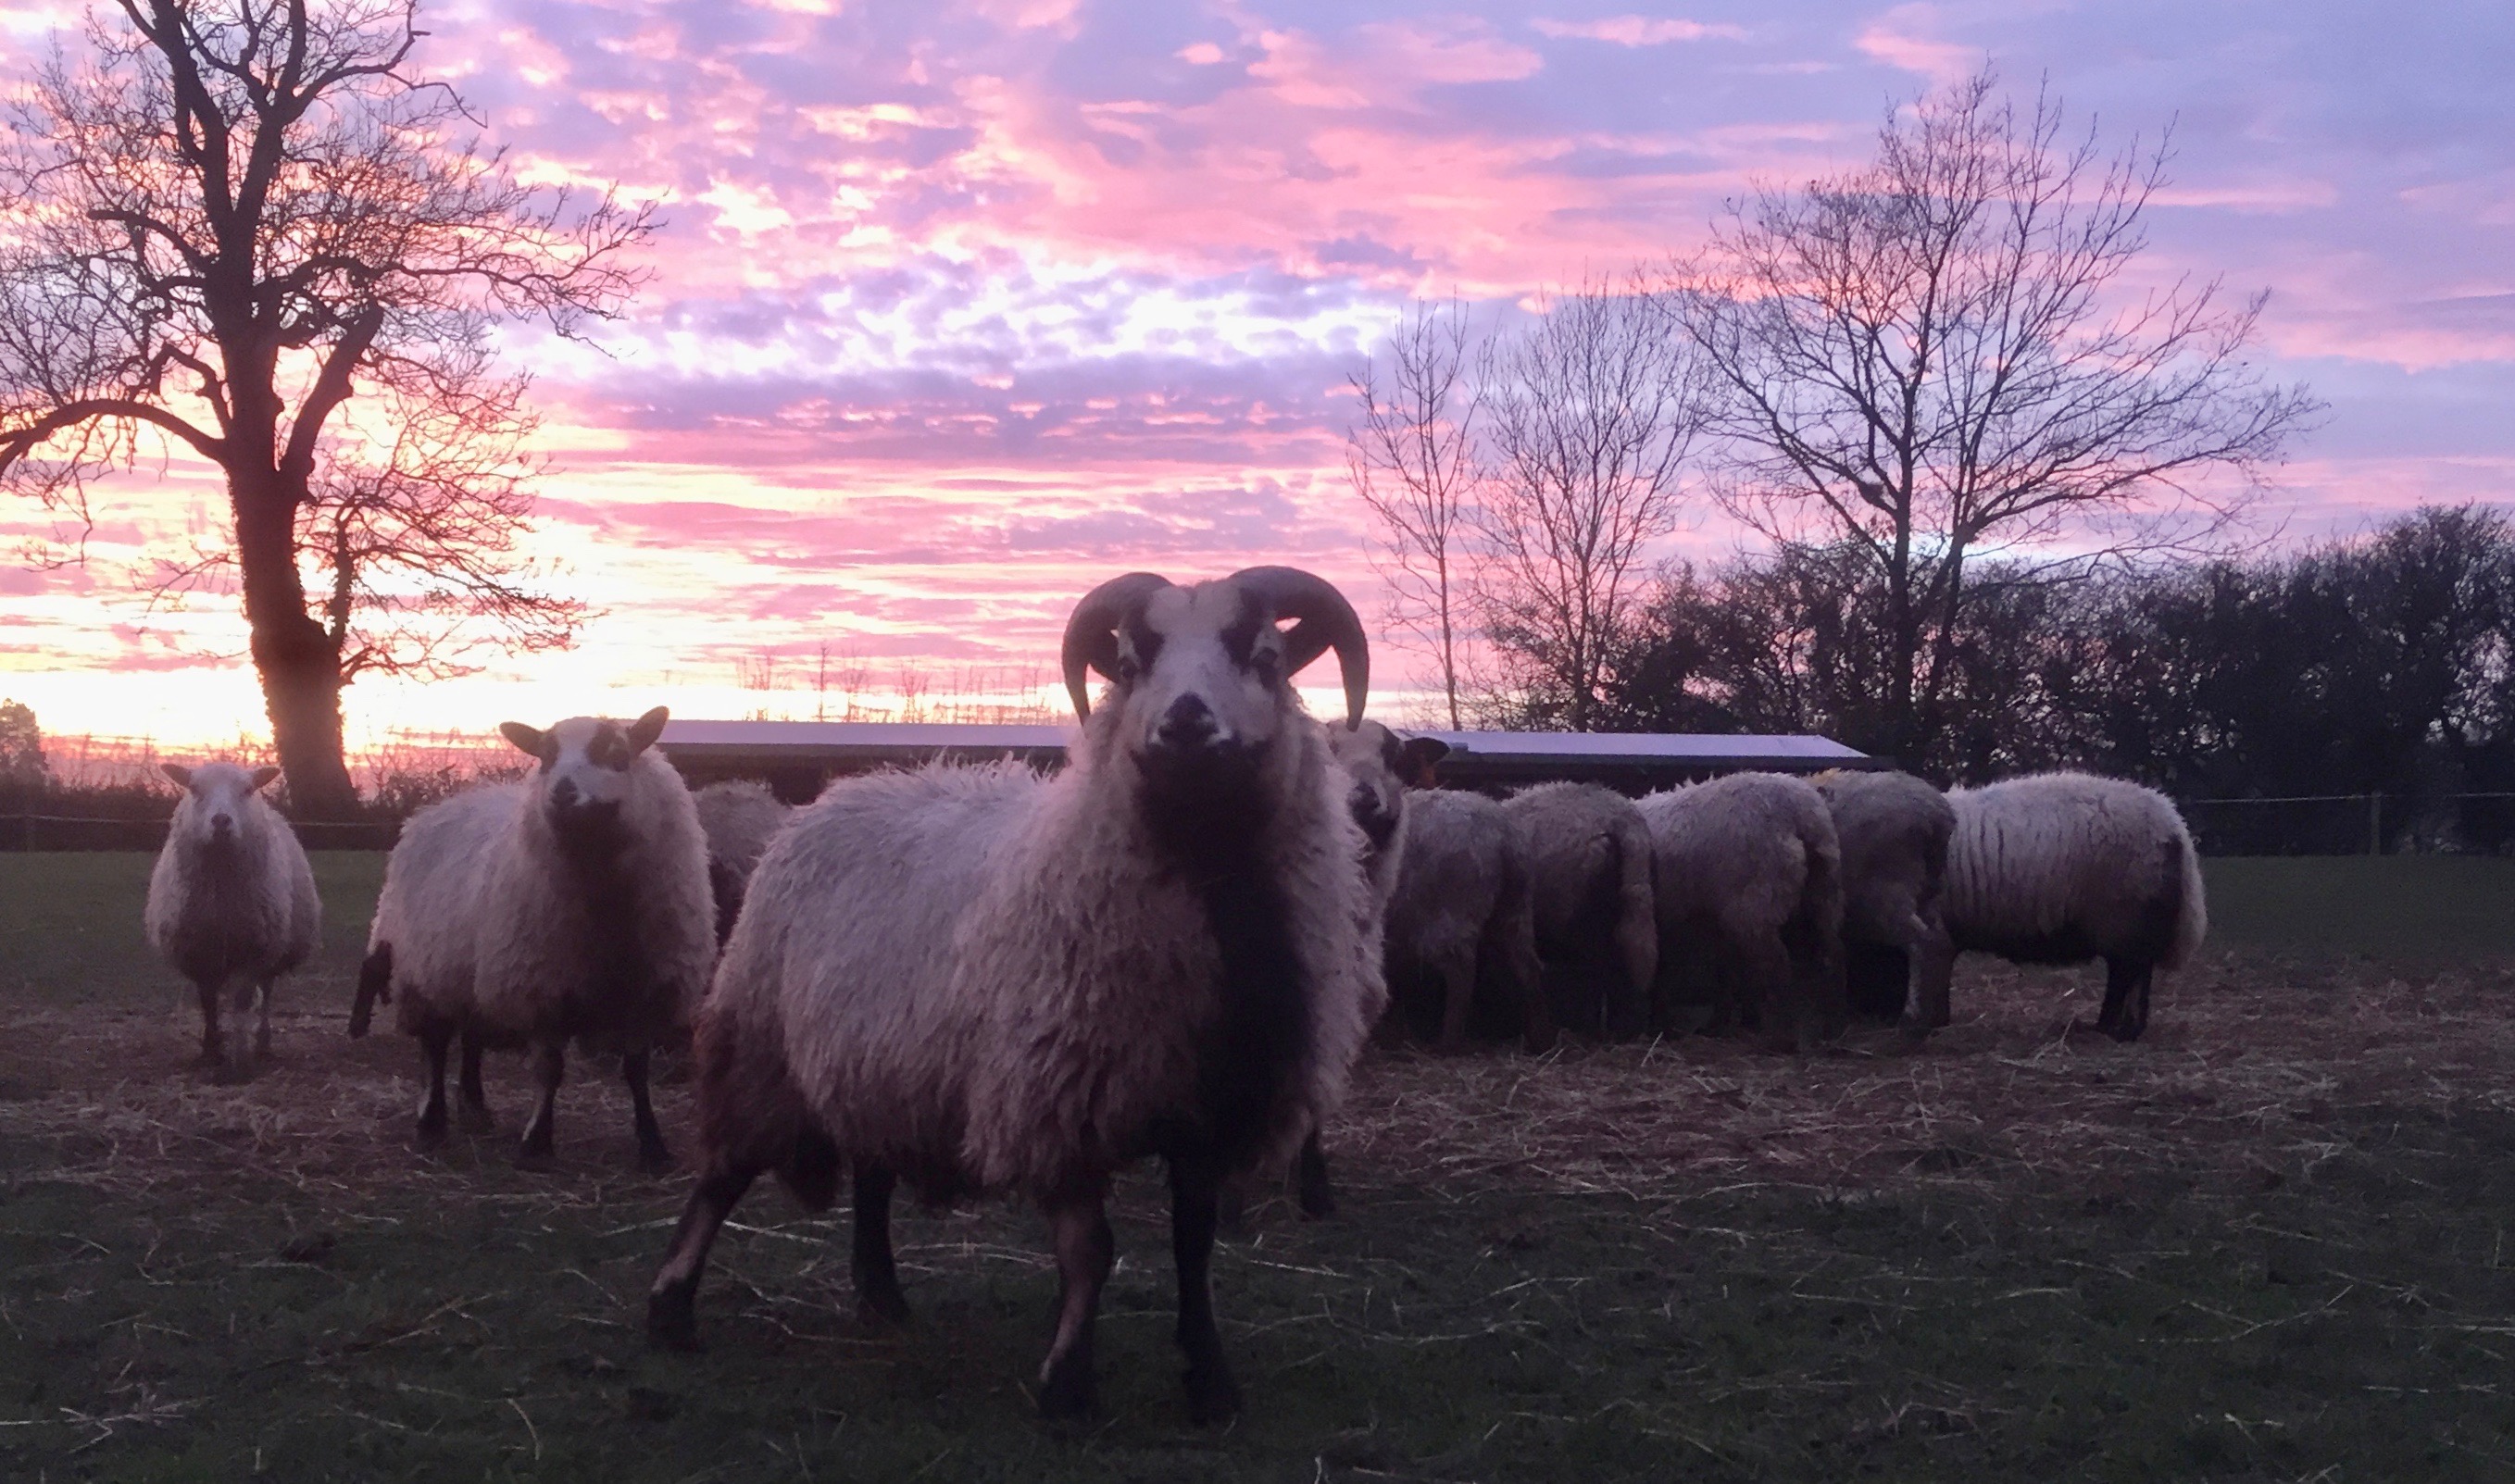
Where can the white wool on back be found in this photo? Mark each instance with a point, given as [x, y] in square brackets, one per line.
[1738, 854]
[1894, 830]
[2054, 854]
[739, 818]
[1463, 853]
[1586, 845]
[988, 981]
[490, 924]
[249, 910]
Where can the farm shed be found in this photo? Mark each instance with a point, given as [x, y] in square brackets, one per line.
[796, 757]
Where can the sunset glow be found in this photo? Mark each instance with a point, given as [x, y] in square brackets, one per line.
[962, 308]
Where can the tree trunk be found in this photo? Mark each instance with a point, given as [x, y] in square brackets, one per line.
[299, 664]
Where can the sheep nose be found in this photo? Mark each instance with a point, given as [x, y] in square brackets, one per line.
[1188, 723]
[563, 794]
[222, 822]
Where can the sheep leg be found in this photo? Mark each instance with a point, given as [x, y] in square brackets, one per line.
[1933, 961]
[433, 1043]
[2125, 1011]
[475, 1102]
[550, 1068]
[672, 1305]
[1211, 1394]
[262, 1025]
[1310, 1178]
[1457, 991]
[654, 1156]
[1085, 1250]
[879, 1300]
[214, 1052]
[1766, 981]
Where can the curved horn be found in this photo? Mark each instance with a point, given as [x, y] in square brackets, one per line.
[1091, 633]
[1324, 620]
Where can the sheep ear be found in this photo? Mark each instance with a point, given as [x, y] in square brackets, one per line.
[182, 776]
[643, 731]
[1421, 753]
[263, 777]
[525, 739]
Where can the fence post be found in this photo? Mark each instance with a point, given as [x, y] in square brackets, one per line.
[2375, 824]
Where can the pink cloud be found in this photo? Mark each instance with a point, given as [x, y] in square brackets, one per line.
[1638, 30]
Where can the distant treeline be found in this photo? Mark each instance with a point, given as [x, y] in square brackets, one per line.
[2378, 664]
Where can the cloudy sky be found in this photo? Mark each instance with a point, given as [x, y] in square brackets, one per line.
[962, 307]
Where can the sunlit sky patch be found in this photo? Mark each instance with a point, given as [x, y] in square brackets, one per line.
[961, 307]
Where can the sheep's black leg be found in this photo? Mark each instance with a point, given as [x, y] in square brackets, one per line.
[1212, 1395]
[2127, 987]
[2117, 979]
[1932, 960]
[262, 1025]
[1085, 1249]
[672, 1305]
[213, 1050]
[475, 1102]
[431, 1111]
[878, 1298]
[550, 1068]
[1310, 1178]
[654, 1156]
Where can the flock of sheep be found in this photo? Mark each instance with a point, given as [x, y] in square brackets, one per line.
[982, 981]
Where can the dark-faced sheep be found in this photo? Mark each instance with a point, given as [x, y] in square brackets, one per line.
[231, 899]
[977, 981]
[1750, 883]
[1894, 831]
[738, 818]
[1590, 887]
[572, 905]
[2061, 868]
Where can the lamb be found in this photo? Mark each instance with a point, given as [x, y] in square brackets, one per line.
[1590, 885]
[1749, 877]
[573, 904]
[231, 897]
[2060, 868]
[1894, 831]
[1463, 913]
[739, 818]
[978, 980]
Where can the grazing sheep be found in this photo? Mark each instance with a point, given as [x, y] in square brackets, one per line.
[2061, 868]
[738, 818]
[1590, 886]
[979, 980]
[1894, 830]
[572, 905]
[231, 897]
[1462, 914]
[1749, 878]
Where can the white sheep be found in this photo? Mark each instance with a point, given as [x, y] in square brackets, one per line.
[1894, 830]
[1462, 914]
[1590, 885]
[2060, 868]
[572, 905]
[231, 897]
[738, 817]
[1750, 881]
[977, 981]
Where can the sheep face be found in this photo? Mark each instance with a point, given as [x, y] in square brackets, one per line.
[1376, 760]
[216, 797]
[1201, 677]
[584, 776]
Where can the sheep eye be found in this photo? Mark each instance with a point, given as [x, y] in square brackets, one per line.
[1267, 664]
[1128, 670]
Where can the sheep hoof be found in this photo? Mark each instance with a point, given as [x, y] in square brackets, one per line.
[475, 1119]
[881, 1310]
[1317, 1198]
[1066, 1394]
[1915, 1031]
[672, 1322]
[2124, 1031]
[655, 1157]
[1213, 1397]
[430, 1134]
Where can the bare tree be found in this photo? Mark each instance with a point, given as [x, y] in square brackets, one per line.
[1934, 357]
[1589, 415]
[1413, 461]
[220, 224]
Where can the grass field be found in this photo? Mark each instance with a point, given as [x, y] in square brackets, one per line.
[2269, 1242]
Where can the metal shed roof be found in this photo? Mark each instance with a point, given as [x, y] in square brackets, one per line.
[796, 756]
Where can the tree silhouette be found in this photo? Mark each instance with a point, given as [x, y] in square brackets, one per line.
[247, 231]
